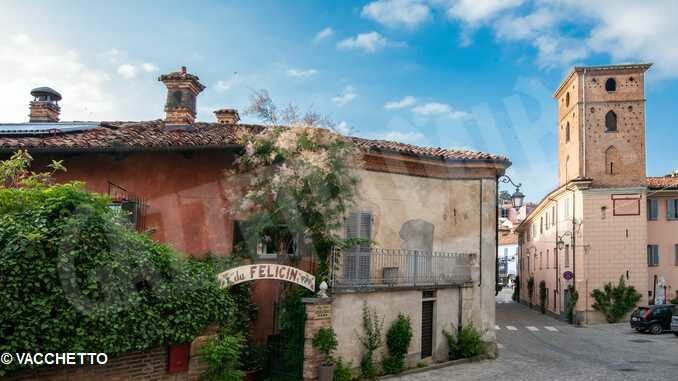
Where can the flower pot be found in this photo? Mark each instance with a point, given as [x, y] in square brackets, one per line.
[326, 372]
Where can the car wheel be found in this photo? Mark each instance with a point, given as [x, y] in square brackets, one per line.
[655, 329]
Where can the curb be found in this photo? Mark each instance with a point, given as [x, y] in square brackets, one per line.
[439, 365]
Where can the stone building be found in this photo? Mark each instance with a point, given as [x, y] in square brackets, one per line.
[593, 228]
[426, 209]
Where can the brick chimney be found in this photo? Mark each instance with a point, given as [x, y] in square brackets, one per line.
[182, 92]
[227, 116]
[45, 107]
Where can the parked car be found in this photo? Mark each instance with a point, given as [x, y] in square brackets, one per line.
[654, 319]
[674, 324]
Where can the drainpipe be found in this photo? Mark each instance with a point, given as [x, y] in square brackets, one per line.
[583, 118]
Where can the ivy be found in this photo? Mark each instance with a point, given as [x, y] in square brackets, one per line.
[75, 280]
[615, 301]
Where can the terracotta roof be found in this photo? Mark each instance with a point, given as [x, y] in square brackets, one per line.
[666, 182]
[507, 237]
[154, 135]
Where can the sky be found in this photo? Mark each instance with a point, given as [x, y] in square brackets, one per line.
[464, 74]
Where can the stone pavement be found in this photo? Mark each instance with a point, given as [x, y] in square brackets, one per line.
[535, 347]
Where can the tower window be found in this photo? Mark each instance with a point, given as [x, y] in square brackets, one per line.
[610, 121]
[612, 160]
[567, 132]
[567, 100]
[611, 84]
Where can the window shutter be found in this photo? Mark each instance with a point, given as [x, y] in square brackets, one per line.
[365, 229]
[676, 253]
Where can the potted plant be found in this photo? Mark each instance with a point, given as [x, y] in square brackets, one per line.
[325, 341]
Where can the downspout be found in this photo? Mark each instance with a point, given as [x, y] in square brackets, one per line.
[480, 238]
[496, 236]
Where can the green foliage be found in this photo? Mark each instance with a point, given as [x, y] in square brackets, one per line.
[530, 289]
[342, 371]
[542, 296]
[221, 354]
[674, 300]
[74, 280]
[300, 176]
[371, 341]
[15, 172]
[292, 323]
[466, 344]
[615, 301]
[516, 290]
[569, 308]
[325, 341]
[398, 339]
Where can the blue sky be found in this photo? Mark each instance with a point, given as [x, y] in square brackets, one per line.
[474, 74]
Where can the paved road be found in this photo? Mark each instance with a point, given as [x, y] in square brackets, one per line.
[535, 347]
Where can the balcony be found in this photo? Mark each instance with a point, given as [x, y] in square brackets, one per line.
[398, 268]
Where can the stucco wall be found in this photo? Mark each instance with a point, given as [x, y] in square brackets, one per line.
[347, 320]
[664, 233]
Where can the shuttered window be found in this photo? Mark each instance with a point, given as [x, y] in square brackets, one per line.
[676, 253]
[672, 209]
[652, 255]
[427, 328]
[652, 209]
[357, 259]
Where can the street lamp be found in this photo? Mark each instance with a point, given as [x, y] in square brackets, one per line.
[517, 197]
[561, 241]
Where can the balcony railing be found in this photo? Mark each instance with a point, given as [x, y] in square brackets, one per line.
[400, 268]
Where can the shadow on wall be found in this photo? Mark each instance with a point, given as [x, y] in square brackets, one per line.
[417, 235]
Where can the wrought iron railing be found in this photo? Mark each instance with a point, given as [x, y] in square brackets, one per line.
[400, 268]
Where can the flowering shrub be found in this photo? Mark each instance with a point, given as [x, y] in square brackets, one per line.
[298, 176]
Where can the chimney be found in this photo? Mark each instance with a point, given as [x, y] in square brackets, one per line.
[182, 90]
[45, 107]
[227, 116]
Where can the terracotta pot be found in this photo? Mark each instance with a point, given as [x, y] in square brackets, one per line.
[326, 372]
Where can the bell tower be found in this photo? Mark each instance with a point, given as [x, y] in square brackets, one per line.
[601, 125]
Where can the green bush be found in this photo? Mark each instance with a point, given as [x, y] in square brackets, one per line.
[325, 341]
[221, 354]
[569, 308]
[398, 338]
[542, 296]
[466, 344]
[615, 301]
[516, 290]
[371, 341]
[76, 280]
[342, 371]
[674, 301]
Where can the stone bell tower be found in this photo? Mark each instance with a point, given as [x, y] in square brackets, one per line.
[182, 92]
[601, 125]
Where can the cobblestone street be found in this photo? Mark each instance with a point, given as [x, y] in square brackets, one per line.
[537, 347]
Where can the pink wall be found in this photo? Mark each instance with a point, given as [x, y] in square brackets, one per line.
[664, 233]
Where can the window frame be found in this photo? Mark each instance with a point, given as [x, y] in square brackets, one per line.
[674, 203]
[653, 255]
[652, 206]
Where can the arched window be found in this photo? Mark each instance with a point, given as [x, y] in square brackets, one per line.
[610, 121]
[567, 100]
[611, 84]
[567, 132]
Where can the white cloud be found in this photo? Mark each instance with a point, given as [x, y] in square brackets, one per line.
[436, 109]
[127, 71]
[149, 67]
[343, 128]
[411, 137]
[530, 26]
[27, 63]
[347, 95]
[392, 13]
[301, 73]
[408, 101]
[368, 42]
[477, 11]
[224, 85]
[326, 33]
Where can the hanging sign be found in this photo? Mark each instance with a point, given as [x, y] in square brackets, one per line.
[568, 275]
[266, 271]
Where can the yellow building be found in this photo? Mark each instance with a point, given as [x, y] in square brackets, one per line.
[594, 227]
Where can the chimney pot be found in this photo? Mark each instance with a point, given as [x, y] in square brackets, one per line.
[182, 92]
[44, 107]
[227, 116]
